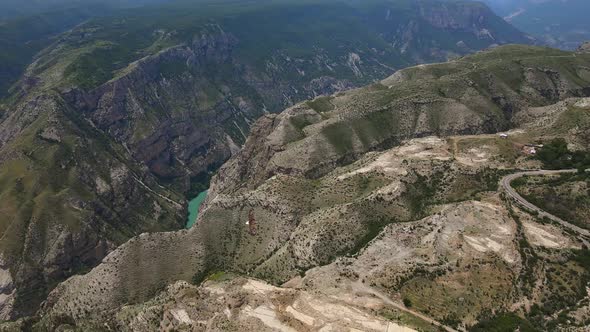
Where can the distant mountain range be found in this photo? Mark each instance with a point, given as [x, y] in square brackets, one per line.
[558, 23]
[15, 8]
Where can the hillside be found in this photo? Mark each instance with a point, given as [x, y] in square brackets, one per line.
[69, 195]
[120, 119]
[404, 207]
[563, 196]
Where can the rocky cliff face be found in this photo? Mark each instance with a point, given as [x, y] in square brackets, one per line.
[69, 196]
[474, 26]
[467, 16]
[371, 208]
[183, 110]
[166, 118]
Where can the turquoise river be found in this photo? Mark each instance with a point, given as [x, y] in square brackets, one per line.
[193, 208]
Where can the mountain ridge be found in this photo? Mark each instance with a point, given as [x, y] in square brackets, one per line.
[384, 191]
[128, 113]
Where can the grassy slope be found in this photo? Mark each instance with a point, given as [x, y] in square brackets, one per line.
[455, 82]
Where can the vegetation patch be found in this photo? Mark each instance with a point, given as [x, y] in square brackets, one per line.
[565, 287]
[321, 104]
[556, 155]
[503, 323]
[566, 196]
[565, 275]
[456, 296]
[340, 136]
[407, 319]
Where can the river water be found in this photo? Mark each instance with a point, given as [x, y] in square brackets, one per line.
[193, 208]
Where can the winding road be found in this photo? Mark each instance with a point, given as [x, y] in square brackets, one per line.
[507, 180]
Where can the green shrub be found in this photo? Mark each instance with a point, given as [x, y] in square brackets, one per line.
[507, 322]
[556, 155]
[321, 104]
[407, 302]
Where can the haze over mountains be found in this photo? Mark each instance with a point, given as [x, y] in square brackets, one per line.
[558, 23]
[346, 184]
[14, 8]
